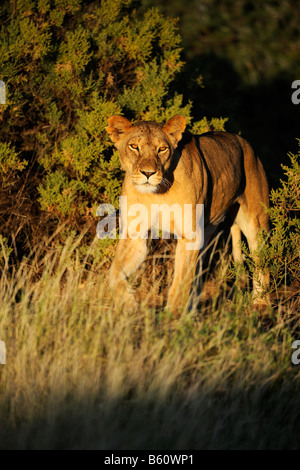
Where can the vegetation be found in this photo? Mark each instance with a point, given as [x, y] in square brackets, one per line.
[79, 374]
[68, 66]
[283, 249]
[259, 39]
[279, 251]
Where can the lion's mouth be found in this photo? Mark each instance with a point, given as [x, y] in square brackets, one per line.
[158, 187]
[146, 187]
[146, 183]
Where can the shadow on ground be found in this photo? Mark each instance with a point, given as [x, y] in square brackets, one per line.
[262, 417]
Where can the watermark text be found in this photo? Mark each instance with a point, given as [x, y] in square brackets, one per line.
[296, 354]
[296, 94]
[2, 92]
[138, 221]
[2, 353]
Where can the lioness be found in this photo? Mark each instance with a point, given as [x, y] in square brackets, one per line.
[166, 165]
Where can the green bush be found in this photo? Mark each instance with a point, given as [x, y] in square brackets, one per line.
[283, 249]
[9, 164]
[68, 66]
[279, 251]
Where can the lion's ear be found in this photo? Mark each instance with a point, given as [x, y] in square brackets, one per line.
[175, 128]
[117, 126]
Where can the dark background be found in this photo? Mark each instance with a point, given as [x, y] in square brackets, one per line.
[241, 58]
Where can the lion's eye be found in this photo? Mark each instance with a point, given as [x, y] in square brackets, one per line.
[133, 146]
[162, 149]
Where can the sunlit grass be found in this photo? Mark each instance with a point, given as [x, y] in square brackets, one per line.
[79, 374]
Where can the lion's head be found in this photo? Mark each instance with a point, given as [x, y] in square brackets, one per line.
[146, 149]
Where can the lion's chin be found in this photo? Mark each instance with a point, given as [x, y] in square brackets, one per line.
[146, 188]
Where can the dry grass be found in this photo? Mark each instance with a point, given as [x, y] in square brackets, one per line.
[81, 375]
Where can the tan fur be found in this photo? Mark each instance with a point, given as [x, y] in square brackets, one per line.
[216, 169]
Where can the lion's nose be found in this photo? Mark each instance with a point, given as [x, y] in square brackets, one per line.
[148, 173]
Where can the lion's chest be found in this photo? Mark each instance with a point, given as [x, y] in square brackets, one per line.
[161, 216]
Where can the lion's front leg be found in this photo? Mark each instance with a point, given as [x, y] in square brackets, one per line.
[185, 265]
[130, 254]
